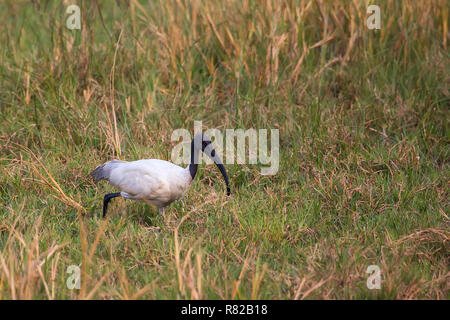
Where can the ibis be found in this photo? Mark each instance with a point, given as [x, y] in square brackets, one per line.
[154, 181]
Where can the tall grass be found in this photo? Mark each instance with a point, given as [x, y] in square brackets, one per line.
[363, 119]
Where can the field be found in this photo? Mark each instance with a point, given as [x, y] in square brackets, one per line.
[363, 118]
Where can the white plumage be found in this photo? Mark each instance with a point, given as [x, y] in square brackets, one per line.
[157, 182]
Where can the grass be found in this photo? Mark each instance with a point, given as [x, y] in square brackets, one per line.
[364, 149]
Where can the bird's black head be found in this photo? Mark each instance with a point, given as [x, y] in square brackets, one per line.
[202, 142]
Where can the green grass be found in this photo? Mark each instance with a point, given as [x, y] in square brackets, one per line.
[364, 149]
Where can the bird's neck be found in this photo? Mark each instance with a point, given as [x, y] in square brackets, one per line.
[193, 170]
[193, 166]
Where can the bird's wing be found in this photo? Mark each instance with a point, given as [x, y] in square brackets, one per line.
[143, 180]
[103, 171]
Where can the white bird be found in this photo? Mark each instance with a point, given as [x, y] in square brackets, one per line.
[155, 181]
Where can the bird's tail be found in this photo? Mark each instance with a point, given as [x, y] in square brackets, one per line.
[102, 172]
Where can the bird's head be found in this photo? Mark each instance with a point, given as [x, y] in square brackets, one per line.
[203, 143]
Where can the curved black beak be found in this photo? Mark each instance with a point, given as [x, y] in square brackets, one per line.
[208, 149]
[202, 142]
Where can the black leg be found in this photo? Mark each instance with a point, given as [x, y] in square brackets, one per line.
[106, 200]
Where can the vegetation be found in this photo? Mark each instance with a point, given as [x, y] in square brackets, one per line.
[364, 148]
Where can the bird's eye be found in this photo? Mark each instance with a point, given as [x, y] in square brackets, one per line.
[206, 143]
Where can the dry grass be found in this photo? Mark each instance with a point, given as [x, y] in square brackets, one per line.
[363, 119]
